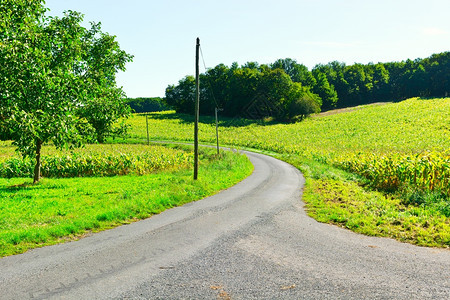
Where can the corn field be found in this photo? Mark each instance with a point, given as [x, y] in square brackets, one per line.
[100, 160]
[428, 171]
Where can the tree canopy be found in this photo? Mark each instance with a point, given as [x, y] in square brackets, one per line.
[250, 91]
[258, 91]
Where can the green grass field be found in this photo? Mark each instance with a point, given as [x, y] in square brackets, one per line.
[61, 209]
[406, 127]
[396, 157]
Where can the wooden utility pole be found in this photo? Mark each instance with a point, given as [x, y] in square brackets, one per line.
[148, 136]
[217, 129]
[197, 108]
[217, 132]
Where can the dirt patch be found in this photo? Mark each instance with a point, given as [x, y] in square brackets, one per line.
[347, 109]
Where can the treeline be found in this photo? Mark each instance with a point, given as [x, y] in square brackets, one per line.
[287, 90]
[362, 84]
[141, 105]
[252, 91]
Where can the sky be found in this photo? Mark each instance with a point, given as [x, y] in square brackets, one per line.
[161, 34]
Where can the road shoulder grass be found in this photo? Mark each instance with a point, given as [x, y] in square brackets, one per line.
[341, 198]
[58, 210]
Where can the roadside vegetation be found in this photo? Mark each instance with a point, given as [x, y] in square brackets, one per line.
[380, 170]
[62, 209]
[58, 92]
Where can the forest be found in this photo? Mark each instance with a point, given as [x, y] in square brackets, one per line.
[288, 91]
[142, 104]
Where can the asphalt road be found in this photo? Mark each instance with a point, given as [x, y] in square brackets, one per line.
[252, 241]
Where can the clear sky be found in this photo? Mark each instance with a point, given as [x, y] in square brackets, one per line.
[161, 34]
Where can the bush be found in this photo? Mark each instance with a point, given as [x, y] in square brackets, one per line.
[303, 107]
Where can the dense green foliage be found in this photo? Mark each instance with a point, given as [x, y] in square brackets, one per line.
[58, 79]
[398, 154]
[250, 91]
[360, 84]
[257, 91]
[103, 102]
[142, 105]
[58, 210]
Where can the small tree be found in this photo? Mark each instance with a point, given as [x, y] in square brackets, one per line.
[40, 88]
[304, 106]
[43, 67]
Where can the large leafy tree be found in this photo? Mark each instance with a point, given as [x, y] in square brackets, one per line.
[45, 82]
[105, 102]
[181, 97]
[326, 92]
[292, 100]
[334, 71]
[438, 67]
[242, 90]
[14, 17]
[297, 72]
[215, 88]
[380, 82]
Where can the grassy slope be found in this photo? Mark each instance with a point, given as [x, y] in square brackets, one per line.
[334, 196]
[57, 210]
[409, 126]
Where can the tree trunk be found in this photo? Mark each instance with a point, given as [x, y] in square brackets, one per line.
[37, 167]
[100, 138]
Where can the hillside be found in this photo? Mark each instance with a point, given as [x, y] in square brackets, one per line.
[410, 126]
[397, 156]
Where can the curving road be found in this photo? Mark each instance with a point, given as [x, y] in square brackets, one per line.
[252, 241]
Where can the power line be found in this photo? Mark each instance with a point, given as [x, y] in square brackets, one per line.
[216, 109]
[203, 59]
[209, 83]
